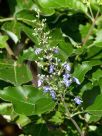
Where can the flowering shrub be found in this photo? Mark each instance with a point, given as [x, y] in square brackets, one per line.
[51, 67]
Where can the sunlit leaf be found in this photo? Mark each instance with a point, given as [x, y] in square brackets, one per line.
[28, 100]
[14, 72]
[3, 40]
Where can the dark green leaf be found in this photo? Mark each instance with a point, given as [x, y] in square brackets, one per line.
[96, 107]
[57, 39]
[36, 130]
[82, 69]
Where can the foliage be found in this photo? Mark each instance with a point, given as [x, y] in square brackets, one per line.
[51, 66]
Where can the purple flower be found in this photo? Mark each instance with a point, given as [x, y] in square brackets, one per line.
[53, 94]
[66, 76]
[77, 100]
[46, 89]
[38, 51]
[67, 67]
[76, 80]
[51, 69]
[56, 51]
[40, 82]
[49, 89]
[67, 82]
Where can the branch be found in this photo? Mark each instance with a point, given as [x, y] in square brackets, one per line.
[6, 19]
[91, 29]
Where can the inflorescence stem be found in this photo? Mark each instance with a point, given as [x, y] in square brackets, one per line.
[69, 117]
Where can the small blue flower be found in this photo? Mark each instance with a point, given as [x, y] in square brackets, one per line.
[53, 94]
[67, 67]
[76, 80]
[56, 51]
[46, 89]
[67, 82]
[40, 82]
[38, 51]
[51, 69]
[77, 100]
[66, 76]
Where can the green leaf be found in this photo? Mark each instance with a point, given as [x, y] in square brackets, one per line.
[13, 29]
[82, 69]
[98, 44]
[36, 129]
[57, 39]
[96, 75]
[95, 4]
[26, 16]
[98, 36]
[3, 40]
[53, 4]
[21, 4]
[28, 100]
[47, 11]
[29, 55]
[6, 108]
[23, 120]
[17, 5]
[100, 84]
[14, 72]
[94, 52]
[88, 97]
[96, 107]
[57, 118]
[58, 4]
[94, 118]
[98, 39]
[84, 29]
[24, 4]
[29, 32]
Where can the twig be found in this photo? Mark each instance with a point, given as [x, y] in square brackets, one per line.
[77, 127]
[91, 11]
[91, 29]
[78, 113]
[6, 19]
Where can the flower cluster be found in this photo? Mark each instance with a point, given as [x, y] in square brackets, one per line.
[57, 73]
[42, 36]
[67, 78]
